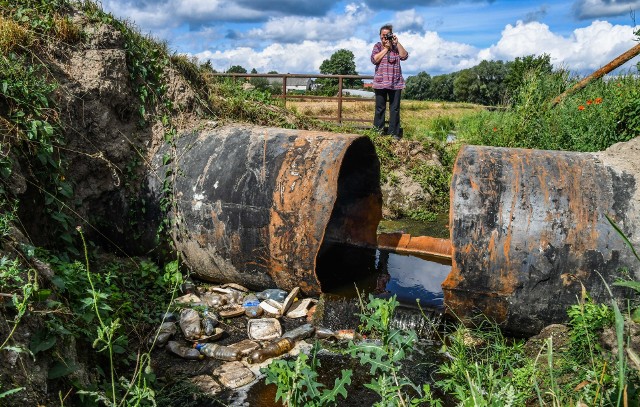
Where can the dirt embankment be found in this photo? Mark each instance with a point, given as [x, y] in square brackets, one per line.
[105, 152]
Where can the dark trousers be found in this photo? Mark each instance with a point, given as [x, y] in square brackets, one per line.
[382, 95]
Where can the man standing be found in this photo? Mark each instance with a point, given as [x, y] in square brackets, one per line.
[388, 81]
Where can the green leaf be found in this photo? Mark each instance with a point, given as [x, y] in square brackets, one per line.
[624, 238]
[629, 284]
[41, 341]
[60, 369]
[10, 392]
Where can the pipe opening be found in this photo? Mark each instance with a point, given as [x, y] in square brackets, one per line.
[355, 215]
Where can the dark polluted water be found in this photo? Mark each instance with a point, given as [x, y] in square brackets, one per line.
[346, 270]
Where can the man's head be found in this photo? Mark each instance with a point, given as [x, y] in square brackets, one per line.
[386, 29]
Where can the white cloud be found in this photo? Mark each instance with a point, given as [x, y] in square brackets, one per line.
[328, 28]
[409, 20]
[587, 49]
[431, 53]
[304, 57]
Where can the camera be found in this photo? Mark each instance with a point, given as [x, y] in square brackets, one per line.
[388, 36]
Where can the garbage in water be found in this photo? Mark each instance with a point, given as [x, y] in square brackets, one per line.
[234, 375]
[273, 349]
[271, 307]
[190, 323]
[300, 309]
[166, 331]
[264, 329]
[299, 333]
[220, 352]
[183, 351]
[223, 313]
[245, 347]
[289, 300]
[275, 294]
[251, 305]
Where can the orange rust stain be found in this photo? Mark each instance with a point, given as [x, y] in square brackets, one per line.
[405, 243]
[294, 240]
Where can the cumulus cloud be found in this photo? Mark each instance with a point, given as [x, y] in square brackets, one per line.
[304, 57]
[588, 9]
[152, 15]
[409, 20]
[330, 28]
[587, 49]
[431, 53]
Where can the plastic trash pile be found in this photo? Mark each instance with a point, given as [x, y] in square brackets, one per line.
[194, 331]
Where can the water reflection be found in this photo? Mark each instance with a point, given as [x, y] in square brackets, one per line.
[412, 278]
[383, 273]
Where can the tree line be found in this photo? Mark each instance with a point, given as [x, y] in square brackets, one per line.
[489, 83]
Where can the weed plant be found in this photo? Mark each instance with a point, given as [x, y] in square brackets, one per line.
[297, 381]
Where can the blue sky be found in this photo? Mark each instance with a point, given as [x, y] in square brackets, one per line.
[442, 36]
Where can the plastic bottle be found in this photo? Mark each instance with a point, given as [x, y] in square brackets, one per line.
[299, 333]
[275, 294]
[251, 305]
[209, 322]
[219, 352]
[184, 352]
[190, 323]
[273, 349]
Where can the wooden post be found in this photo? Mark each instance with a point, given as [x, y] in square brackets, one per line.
[340, 100]
[284, 89]
[599, 73]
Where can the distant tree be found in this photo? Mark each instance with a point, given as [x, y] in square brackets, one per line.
[522, 66]
[206, 67]
[342, 62]
[253, 70]
[482, 84]
[260, 83]
[272, 72]
[236, 69]
[418, 87]
[442, 87]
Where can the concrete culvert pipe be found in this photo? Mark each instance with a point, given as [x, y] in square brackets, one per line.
[255, 205]
[528, 230]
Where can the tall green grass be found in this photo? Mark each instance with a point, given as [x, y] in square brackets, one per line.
[607, 111]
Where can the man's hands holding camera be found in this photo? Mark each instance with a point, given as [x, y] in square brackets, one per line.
[389, 39]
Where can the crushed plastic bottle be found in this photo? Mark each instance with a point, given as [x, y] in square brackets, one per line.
[299, 333]
[184, 352]
[219, 352]
[209, 322]
[190, 323]
[275, 294]
[273, 349]
[166, 331]
[251, 305]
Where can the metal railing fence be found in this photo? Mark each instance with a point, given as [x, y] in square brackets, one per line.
[340, 98]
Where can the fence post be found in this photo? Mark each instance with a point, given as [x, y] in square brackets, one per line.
[284, 90]
[340, 100]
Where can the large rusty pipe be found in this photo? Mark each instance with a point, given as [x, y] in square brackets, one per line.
[528, 230]
[255, 205]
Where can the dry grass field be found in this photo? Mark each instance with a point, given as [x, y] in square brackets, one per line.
[418, 118]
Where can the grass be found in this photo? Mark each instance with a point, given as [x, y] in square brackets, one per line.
[418, 118]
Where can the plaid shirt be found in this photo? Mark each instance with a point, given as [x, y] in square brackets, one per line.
[388, 73]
